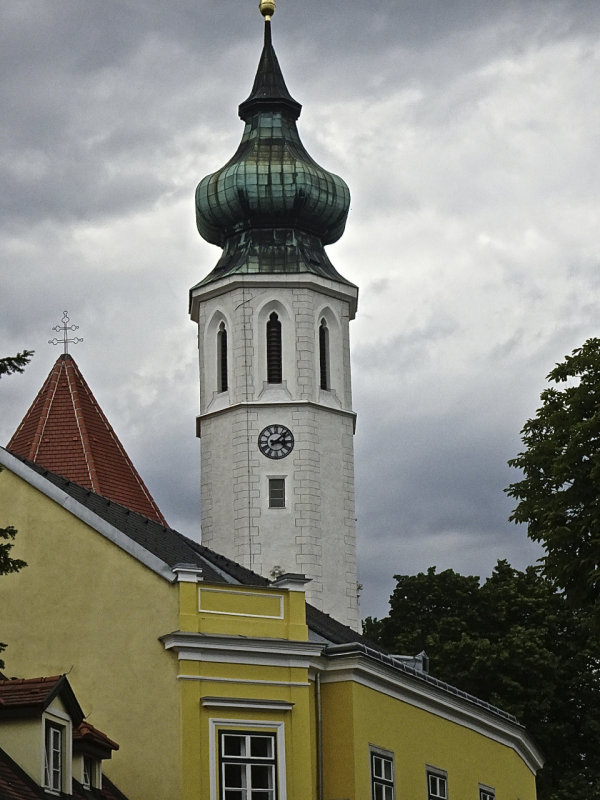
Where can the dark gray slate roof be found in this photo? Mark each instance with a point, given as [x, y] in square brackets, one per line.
[174, 548]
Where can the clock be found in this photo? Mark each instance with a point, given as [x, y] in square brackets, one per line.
[276, 441]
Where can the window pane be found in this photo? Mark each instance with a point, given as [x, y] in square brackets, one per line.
[378, 791]
[261, 747]
[387, 769]
[276, 494]
[234, 795]
[234, 776]
[262, 776]
[234, 745]
[388, 793]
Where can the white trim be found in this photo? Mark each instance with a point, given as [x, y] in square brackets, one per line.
[78, 510]
[187, 573]
[278, 728]
[245, 702]
[326, 286]
[251, 404]
[389, 680]
[241, 680]
[64, 721]
[428, 697]
[239, 650]
[240, 613]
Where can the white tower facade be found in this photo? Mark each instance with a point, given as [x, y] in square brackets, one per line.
[276, 420]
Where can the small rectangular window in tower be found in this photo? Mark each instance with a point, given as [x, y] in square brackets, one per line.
[382, 775]
[485, 793]
[276, 492]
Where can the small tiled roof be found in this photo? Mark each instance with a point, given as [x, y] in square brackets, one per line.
[86, 736]
[28, 691]
[30, 696]
[66, 431]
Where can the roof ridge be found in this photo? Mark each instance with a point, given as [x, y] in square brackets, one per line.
[80, 418]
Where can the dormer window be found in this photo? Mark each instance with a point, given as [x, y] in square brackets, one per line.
[274, 372]
[222, 382]
[54, 756]
[91, 777]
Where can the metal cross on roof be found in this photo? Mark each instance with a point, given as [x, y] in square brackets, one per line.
[65, 330]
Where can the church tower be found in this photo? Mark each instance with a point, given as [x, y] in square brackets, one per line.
[276, 420]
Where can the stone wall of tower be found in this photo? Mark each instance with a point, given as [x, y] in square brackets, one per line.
[315, 533]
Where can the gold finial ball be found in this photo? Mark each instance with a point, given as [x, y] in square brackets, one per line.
[267, 8]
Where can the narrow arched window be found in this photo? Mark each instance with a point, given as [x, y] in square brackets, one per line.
[324, 355]
[273, 349]
[222, 358]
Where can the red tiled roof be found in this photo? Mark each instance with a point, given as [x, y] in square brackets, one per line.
[66, 432]
[24, 692]
[14, 783]
[86, 734]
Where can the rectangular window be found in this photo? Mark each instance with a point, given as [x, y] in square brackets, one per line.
[485, 793]
[53, 757]
[437, 785]
[89, 772]
[247, 766]
[276, 492]
[382, 775]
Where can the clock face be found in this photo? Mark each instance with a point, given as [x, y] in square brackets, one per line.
[276, 441]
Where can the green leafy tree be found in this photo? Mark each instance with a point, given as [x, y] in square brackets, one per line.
[559, 495]
[9, 365]
[514, 642]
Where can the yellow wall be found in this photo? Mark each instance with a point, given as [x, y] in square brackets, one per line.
[257, 682]
[356, 717]
[85, 607]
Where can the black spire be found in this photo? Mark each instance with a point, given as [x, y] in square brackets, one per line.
[271, 208]
[269, 90]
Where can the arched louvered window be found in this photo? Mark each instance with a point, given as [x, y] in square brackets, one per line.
[324, 355]
[222, 358]
[274, 349]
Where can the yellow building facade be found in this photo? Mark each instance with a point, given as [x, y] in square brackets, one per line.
[214, 680]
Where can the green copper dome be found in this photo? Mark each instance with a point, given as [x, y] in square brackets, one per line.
[271, 208]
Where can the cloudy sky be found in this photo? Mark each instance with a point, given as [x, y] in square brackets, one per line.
[468, 132]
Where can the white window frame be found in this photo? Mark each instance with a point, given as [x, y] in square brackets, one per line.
[94, 779]
[269, 486]
[247, 726]
[378, 754]
[434, 777]
[486, 792]
[61, 724]
[245, 763]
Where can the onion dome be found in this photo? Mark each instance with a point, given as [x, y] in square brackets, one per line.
[271, 208]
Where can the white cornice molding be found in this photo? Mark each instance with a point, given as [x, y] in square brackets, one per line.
[337, 289]
[410, 689]
[46, 487]
[241, 650]
[246, 702]
[279, 404]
